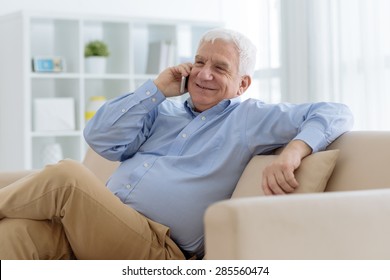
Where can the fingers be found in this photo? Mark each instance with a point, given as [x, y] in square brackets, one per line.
[183, 69]
[277, 181]
[168, 81]
[187, 67]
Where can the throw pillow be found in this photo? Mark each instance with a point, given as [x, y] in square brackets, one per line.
[312, 175]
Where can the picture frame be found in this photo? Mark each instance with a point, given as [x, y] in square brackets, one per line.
[48, 64]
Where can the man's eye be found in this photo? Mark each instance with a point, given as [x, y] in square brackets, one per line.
[199, 62]
[220, 68]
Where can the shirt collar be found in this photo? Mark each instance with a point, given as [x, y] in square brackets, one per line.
[189, 106]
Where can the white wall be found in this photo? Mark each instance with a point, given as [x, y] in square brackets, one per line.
[177, 9]
[236, 14]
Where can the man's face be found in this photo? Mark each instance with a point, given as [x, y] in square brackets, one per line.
[214, 75]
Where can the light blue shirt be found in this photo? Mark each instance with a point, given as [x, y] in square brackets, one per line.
[176, 162]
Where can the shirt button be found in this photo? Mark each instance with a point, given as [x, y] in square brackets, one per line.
[154, 99]
[147, 92]
[124, 110]
[146, 165]
[128, 187]
[203, 118]
[184, 135]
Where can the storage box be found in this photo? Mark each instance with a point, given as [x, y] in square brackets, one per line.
[54, 114]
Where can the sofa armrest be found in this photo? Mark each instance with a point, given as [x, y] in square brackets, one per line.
[7, 178]
[339, 225]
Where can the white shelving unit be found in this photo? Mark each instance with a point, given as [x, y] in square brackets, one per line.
[25, 35]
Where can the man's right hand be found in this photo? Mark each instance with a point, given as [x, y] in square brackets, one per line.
[168, 81]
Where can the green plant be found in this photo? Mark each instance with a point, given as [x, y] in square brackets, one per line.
[96, 48]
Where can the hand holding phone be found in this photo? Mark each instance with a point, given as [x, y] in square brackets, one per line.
[183, 84]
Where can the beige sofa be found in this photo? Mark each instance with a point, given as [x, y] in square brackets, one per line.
[349, 221]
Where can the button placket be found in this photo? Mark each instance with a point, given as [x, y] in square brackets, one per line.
[185, 135]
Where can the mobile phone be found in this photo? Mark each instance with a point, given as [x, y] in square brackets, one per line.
[183, 84]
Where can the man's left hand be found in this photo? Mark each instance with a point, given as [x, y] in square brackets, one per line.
[278, 177]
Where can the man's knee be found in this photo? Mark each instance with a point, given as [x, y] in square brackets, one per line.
[65, 167]
[67, 170]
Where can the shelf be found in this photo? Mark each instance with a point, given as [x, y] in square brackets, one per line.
[144, 77]
[55, 75]
[33, 34]
[37, 134]
[107, 76]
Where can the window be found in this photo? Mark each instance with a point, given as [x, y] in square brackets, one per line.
[260, 21]
[267, 80]
[339, 51]
[311, 51]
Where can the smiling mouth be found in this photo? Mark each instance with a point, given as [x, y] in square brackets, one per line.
[202, 87]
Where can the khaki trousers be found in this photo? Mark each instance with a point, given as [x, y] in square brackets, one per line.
[64, 210]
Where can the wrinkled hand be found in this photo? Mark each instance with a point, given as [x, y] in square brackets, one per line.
[168, 81]
[278, 177]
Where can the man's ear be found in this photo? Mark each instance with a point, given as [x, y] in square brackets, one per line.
[244, 84]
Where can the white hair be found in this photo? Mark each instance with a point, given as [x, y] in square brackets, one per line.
[246, 49]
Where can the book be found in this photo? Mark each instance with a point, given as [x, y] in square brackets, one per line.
[161, 55]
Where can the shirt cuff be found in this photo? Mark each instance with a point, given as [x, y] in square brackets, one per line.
[314, 137]
[149, 95]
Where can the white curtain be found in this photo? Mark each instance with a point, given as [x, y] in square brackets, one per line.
[341, 49]
[260, 21]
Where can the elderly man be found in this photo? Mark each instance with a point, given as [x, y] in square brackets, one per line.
[176, 160]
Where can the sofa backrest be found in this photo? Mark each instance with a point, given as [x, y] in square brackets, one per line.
[363, 161]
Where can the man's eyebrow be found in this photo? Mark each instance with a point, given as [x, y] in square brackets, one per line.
[219, 63]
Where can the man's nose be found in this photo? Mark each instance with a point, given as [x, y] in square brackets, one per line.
[205, 73]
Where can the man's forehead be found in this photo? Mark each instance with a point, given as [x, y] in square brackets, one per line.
[221, 49]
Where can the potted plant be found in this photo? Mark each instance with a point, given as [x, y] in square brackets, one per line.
[96, 53]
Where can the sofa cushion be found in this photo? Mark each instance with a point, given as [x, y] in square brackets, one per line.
[103, 168]
[312, 175]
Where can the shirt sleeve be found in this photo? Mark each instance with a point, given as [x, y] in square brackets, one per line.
[122, 124]
[323, 123]
[269, 126]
